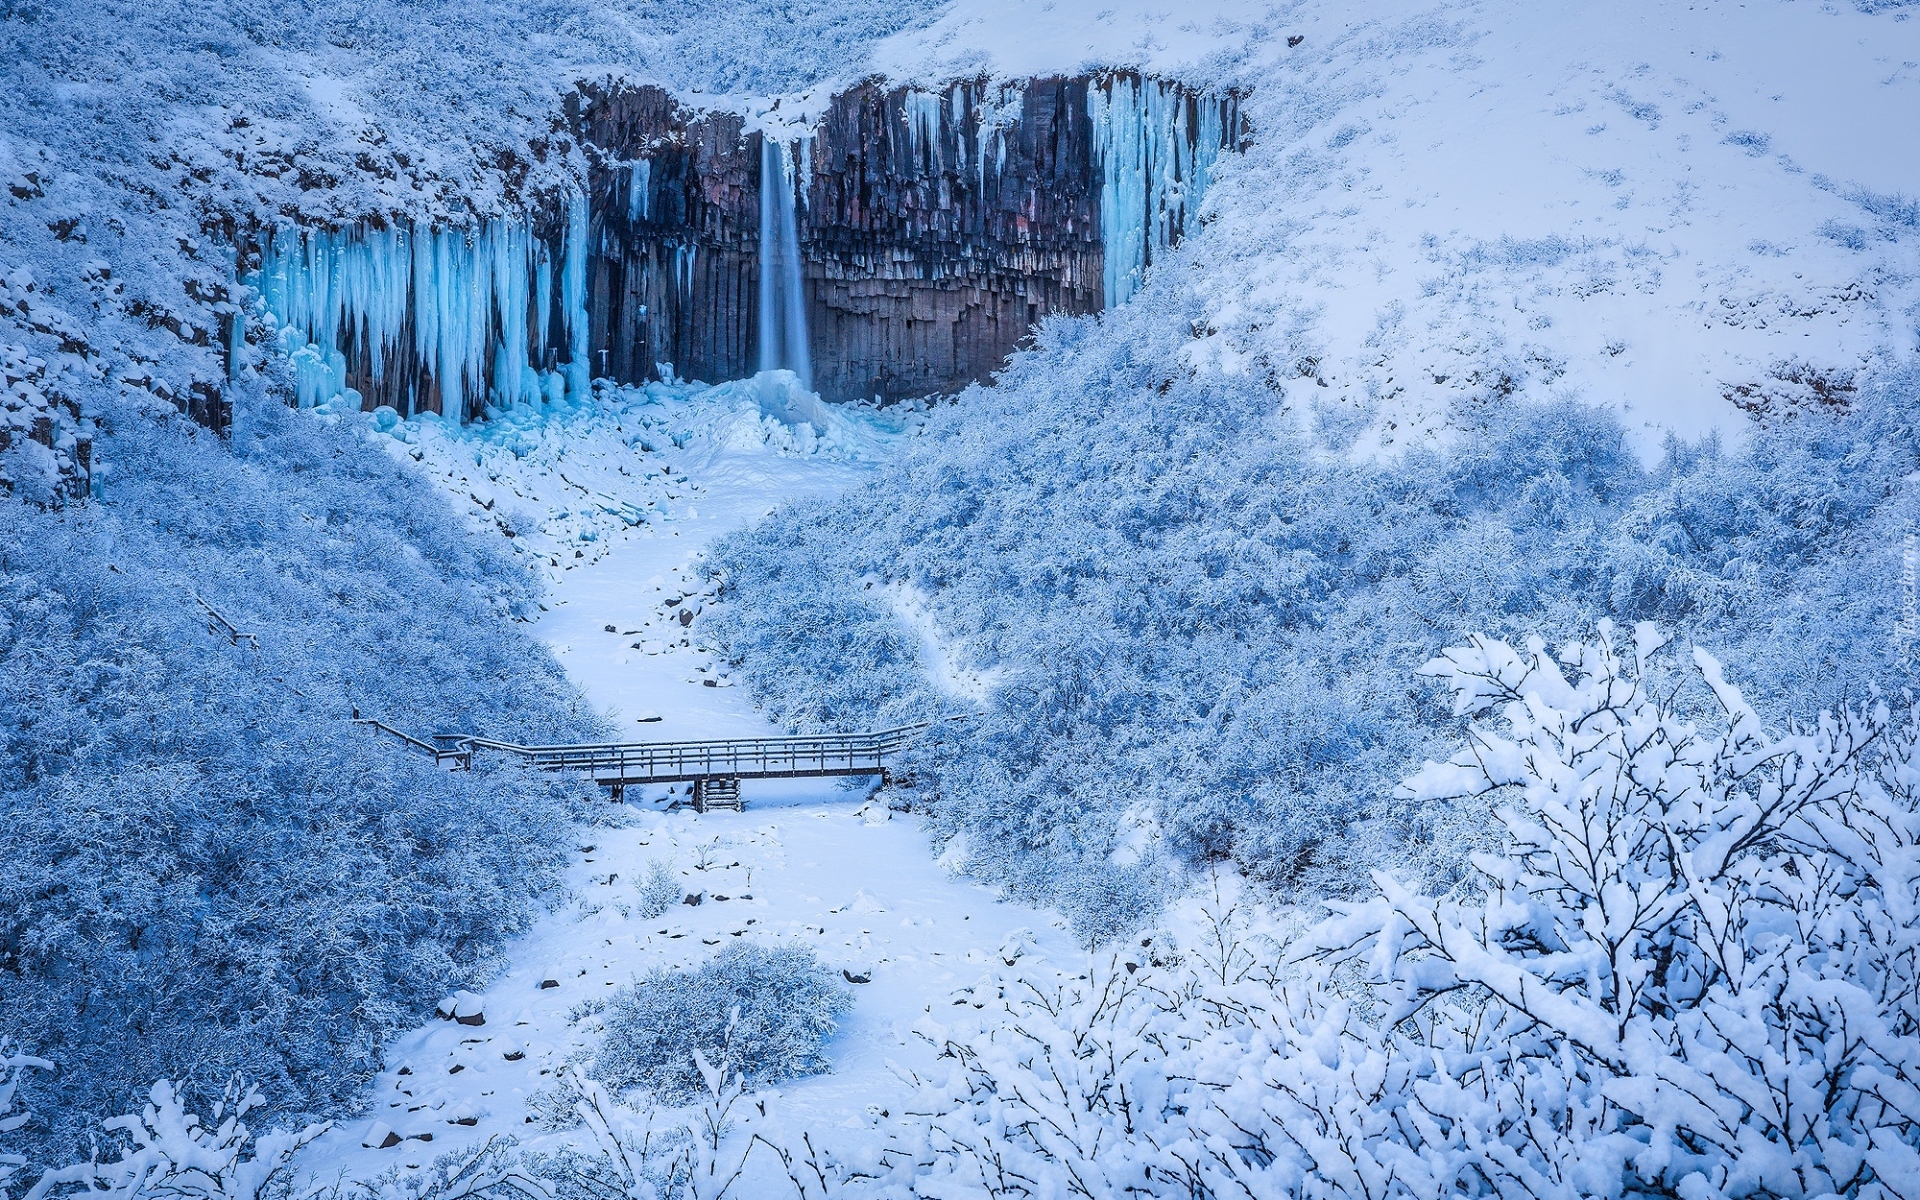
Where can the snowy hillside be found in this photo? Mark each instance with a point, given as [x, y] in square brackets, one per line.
[1678, 211]
[1418, 682]
[1681, 212]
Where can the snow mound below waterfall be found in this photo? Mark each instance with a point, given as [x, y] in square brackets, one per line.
[566, 479]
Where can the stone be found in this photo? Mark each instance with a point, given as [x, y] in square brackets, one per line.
[463, 1008]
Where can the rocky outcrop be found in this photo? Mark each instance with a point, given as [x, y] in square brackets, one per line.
[672, 244]
[934, 230]
[940, 229]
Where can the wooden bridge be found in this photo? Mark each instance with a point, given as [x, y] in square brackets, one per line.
[715, 768]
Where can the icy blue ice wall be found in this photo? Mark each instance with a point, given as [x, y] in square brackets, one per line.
[1156, 145]
[451, 321]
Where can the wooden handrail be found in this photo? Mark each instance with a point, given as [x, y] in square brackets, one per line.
[459, 755]
[620, 763]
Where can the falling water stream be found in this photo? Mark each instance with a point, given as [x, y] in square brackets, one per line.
[783, 315]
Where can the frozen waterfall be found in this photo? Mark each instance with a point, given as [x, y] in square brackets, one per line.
[783, 313]
[1156, 145]
[449, 320]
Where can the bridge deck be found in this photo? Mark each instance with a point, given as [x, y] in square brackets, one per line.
[622, 764]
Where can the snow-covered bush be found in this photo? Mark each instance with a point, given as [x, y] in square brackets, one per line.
[660, 891]
[173, 1153]
[767, 1010]
[701, 1152]
[1690, 972]
[167, 1151]
[493, 1170]
[13, 1066]
[1195, 610]
[210, 870]
[1700, 955]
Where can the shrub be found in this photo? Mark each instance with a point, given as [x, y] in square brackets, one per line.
[660, 892]
[1196, 611]
[787, 1002]
[1694, 971]
[209, 869]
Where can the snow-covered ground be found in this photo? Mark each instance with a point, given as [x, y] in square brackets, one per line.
[615, 498]
[612, 499]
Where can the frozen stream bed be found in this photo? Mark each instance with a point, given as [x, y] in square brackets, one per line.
[615, 499]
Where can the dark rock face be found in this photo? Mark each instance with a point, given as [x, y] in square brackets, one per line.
[934, 229]
[935, 241]
[673, 239]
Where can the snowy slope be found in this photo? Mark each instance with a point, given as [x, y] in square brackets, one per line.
[1653, 205]
[615, 498]
[1648, 205]
[611, 500]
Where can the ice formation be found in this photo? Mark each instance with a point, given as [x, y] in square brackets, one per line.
[1156, 146]
[472, 306]
[783, 314]
[639, 179]
[464, 320]
[922, 112]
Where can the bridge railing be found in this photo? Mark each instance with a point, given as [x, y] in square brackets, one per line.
[817, 754]
[451, 756]
[619, 763]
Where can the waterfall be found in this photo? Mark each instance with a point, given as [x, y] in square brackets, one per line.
[783, 313]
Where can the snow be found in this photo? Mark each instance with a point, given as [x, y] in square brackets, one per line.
[614, 496]
[1682, 212]
[944, 658]
[635, 481]
[1662, 208]
[865, 895]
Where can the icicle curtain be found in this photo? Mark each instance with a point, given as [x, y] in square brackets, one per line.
[472, 318]
[1156, 147]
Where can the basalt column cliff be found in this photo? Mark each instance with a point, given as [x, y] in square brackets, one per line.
[933, 229]
[936, 228]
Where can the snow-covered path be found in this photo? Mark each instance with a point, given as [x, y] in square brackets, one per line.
[808, 860]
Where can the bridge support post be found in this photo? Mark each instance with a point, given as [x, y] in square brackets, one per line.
[717, 792]
[617, 792]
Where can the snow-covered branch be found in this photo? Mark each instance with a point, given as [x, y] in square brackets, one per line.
[1690, 972]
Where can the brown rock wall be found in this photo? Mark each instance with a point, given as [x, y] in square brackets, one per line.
[925, 267]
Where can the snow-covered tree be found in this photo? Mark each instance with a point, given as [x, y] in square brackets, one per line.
[1690, 972]
[175, 1155]
[1703, 944]
[13, 1066]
